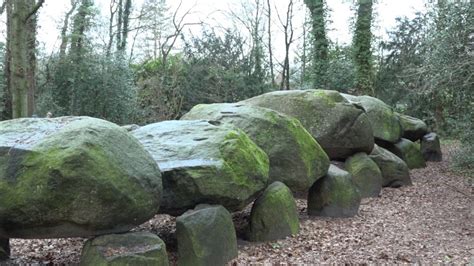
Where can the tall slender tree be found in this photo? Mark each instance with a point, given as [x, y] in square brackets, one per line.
[270, 48]
[320, 42]
[21, 55]
[362, 48]
[287, 25]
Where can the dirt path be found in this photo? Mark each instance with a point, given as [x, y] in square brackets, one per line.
[429, 222]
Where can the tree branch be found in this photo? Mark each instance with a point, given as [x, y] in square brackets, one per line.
[2, 8]
[35, 9]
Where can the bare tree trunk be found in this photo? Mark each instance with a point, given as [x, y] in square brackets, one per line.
[270, 51]
[126, 22]
[7, 96]
[305, 45]
[21, 16]
[289, 32]
[111, 28]
[119, 23]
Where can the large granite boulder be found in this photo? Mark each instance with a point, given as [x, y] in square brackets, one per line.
[139, 248]
[296, 159]
[341, 128]
[431, 148]
[385, 123]
[334, 195]
[276, 201]
[413, 128]
[395, 172]
[73, 177]
[365, 174]
[205, 162]
[408, 152]
[206, 236]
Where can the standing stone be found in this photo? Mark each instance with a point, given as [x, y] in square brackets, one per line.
[340, 127]
[274, 214]
[395, 172]
[365, 174]
[4, 248]
[413, 128]
[408, 152]
[205, 162]
[140, 248]
[296, 159]
[334, 195]
[206, 236]
[73, 177]
[431, 148]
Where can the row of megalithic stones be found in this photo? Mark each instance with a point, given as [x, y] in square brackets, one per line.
[85, 177]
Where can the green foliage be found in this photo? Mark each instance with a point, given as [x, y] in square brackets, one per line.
[428, 71]
[221, 69]
[97, 86]
[160, 89]
[362, 49]
[213, 68]
[341, 69]
[464, 158]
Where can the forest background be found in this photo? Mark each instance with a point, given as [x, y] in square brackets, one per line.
[138, 62]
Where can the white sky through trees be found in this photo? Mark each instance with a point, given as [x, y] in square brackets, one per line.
[213, 13]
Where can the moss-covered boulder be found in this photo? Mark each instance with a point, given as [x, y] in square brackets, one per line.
[139, 248]
[408, 152]
[296, 159]
[412, 128]
[395, 172]
[339, 127]
[73, 177]
[385, 123]
[205, 162]
[431, 148]
[334, 195]
[276, 201]
[365, 174]
[206, 236]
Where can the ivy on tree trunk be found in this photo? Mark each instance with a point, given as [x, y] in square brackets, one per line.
[320, 42]
[362, 48]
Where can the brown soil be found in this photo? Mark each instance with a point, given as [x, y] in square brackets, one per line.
[429, 222]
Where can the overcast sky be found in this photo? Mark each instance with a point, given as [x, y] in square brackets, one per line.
[212, 12]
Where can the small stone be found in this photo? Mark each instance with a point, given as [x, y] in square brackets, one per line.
[276, 201]
[431, 148]
[408, 152]
[335, 195]
[395, 172]
[206, 236]
[412, 128]
[140, 248]
[365, 174]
